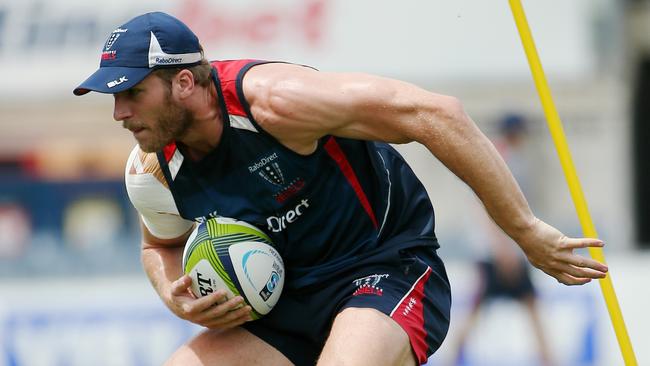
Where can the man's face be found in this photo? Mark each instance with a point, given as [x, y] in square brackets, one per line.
[149, 111]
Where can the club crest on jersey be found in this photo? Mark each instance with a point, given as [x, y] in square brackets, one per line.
[369, 285]
[269, 169]
[272, 174]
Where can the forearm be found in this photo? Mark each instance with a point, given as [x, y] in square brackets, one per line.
[469, 154]
[490, 178]
[163, 266]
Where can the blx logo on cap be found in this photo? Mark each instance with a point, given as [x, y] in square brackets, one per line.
[117, 82]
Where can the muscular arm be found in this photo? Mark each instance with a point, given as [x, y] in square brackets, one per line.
[298, 105]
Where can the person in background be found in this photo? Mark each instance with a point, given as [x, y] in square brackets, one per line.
[503, 271]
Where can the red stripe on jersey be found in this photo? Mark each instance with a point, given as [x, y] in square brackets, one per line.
[409, 314]
[228, 72]
[169, 151]
[335, 152]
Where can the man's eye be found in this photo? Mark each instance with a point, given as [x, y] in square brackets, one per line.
[133, 92]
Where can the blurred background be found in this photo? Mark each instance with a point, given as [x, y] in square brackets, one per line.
[72, 291]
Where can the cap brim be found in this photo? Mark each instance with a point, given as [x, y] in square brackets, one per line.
[112, 80]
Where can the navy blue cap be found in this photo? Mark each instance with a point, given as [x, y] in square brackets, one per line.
[143, 44]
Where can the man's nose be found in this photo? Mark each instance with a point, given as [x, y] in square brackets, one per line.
[121, 110]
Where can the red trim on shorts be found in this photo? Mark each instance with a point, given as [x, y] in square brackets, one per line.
[169, 151]
[335, 152]
[409, 314]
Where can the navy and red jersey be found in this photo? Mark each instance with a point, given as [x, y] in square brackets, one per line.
[346, 201]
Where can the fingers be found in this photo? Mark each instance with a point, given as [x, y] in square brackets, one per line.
[231, 318]
[206, 302]
[219, 308]
[582, 272]
[573, 243]
[565, 278]
[576, 270]
[582, 262]
[217, 311]
[214, 311]
[570, 280]
[181, 285]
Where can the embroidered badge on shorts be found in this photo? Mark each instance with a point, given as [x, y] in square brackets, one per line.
[369, 285]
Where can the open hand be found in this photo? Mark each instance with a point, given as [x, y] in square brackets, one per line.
[212, 311]
[552, 252]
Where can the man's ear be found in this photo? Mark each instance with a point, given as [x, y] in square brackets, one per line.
[183, 83]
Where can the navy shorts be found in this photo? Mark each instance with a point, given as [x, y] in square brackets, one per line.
[409, 285]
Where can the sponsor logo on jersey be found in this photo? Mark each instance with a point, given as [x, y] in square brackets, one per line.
[277, 224]
[369, 285]
[262, 162]
[289, 191]
[269, 169]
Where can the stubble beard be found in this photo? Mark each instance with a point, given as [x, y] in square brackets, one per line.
[173, 122]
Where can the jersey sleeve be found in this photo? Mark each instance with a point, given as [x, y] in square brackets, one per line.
[150, 195]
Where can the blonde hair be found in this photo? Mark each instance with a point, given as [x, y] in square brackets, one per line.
[201, 72]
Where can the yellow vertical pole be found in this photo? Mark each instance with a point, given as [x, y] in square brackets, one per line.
[557, 133]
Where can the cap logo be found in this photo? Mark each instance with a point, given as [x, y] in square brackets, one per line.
[111, 41]
[114, 83]
[109, 55]
[113, 37]
[159, 57]
[134, 49]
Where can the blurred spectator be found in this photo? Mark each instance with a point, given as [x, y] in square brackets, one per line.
[92, 222]
[15, 229]
[504, 271]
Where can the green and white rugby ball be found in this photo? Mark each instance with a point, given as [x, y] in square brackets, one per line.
[232, 255]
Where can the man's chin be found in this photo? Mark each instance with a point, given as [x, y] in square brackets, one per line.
[147, 149]
[151, 148]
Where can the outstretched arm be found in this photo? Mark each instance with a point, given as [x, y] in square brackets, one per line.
[298, 105]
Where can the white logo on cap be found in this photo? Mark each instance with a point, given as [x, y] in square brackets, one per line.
[111, 41]
[113, 37]
[159, 57]
[117, 82]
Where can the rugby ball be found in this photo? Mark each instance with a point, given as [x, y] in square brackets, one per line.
[232, 255]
